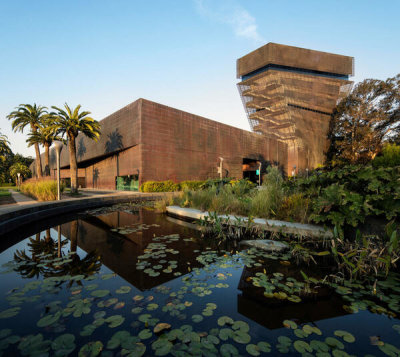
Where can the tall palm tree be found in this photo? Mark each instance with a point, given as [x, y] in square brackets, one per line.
[29, 115]
[4, 147]
[45, 135]
[71, 123]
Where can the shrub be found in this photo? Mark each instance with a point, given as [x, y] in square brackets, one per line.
[241, 187]
[390, 156]
[267, 201]
[294, 207]
[160, 186]
[191, 185]
[43, 190]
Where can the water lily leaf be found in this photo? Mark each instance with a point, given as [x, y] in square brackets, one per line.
[389, 350]
[48, 320]
[284, 340]
[115, 320]
[333, 342]
[347, 336]
[137, 350]
[5, 332]
[264, 346]
[138, 297]
[228, 350]
[88, 330]
[162, 346]
[253, 350]
[137, 310]
[225, 320]
[117, 338]
[340, 353]
[241, 325]
[290, 324]
[241, 337]
[34, 345]
[152, 307]
[162, 326]
[108, 276]
[5, 314]
[145, 334]
[119, 305]
[123, 289]
[63, 345]
[91, 349]
[302, 346]
[144, 317]
[319, 346]
[225, 333]
[100, 293]
[197, 318]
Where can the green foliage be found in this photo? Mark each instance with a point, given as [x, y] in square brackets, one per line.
[160, 186]
[390, 156]
[191, 185]
[19, 167]
[269, 198]
[294, 207]
[44, 190]
[348, 195]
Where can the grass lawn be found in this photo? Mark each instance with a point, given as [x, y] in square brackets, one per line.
[5, 196]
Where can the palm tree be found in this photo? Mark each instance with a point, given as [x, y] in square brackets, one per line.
[4, 147]
[45, 135]
[19, 167]
[71, 123]
[29, 115]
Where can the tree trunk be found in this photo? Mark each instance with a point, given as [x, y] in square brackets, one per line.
[73, 166]
[37, 152]
[74, 235]
[46, 160]
[38, 162]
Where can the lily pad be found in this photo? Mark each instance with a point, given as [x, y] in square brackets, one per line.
[115, 320]
[197, 318]
[145, 334]
[48, 320]
[302, 346]
[64, 344]
[347, 336]
[91, 349]
[100, 293]
[5, 314]
[290, 324]
[123, 289]
[225, 320]
[228, 350]
[161, 327]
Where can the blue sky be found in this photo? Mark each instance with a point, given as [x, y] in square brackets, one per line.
[182, 53]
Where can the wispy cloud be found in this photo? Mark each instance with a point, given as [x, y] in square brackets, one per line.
[231, 13]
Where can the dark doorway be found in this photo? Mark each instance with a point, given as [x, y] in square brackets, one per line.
[250, 168]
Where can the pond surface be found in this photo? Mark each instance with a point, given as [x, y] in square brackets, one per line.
[134, 282]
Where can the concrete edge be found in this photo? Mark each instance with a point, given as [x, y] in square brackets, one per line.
[43, 210]
[309, 230]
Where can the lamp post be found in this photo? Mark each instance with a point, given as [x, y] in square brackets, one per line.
[19, 179]
[58, 145]
[259, 174]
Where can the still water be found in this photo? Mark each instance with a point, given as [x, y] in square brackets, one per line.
[129, 281]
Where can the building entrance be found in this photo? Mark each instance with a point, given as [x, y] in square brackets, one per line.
[250, 168]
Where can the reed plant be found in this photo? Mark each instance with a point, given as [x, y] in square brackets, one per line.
[41, 190]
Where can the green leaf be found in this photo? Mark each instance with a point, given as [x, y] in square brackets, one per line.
[197, 318]
[48, 320]
[5, 314]
[302, 346]
[225, 320]
[115, 320]
[347, 336]
[63, 345]
[100, 293]
[91, 349]
[145, 334]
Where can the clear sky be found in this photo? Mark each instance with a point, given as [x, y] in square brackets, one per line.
[181, 53]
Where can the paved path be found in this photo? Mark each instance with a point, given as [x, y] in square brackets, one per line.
[20, 198]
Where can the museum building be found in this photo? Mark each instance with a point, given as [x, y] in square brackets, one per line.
[289, 94]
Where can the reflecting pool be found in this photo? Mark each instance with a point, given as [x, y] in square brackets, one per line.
[128, 281]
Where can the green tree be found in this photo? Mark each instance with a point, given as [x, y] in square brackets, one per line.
[19, 167]
[32, 116]
[363, 121]
[4, 147]
[71, 123]
[45, 135]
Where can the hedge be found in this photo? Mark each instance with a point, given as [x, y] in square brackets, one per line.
[170, 186]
